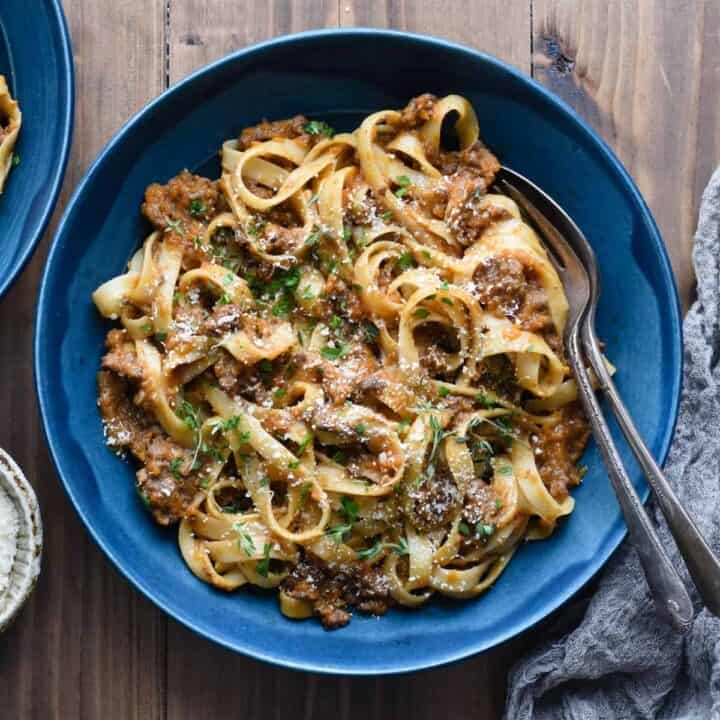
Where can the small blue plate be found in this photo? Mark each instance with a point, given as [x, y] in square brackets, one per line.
[340, 76]
[36, 59]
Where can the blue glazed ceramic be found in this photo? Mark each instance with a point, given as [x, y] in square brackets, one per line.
[340, 76]
[36, 59]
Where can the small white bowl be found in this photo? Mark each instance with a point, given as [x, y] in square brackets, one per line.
[26, 565]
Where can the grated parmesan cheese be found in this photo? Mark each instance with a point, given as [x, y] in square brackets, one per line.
[8, 539]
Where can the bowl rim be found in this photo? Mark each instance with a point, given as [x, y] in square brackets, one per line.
[66, 116]
[451, 655]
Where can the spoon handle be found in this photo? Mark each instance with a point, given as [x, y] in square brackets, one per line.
[701, 562]
[672, 601]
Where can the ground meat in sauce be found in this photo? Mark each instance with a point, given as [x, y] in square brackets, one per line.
[291, 128]
[334, 592]
[121, 355]
[418, 111]
[506, 287]
[431, 502]
[463, 213]
[181, 209]
[558, 448]
[127, 426]
[479, 505]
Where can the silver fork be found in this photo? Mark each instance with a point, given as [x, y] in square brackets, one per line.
[575, 262]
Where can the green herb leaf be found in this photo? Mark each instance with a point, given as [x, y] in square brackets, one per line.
[421, 313]
[336, 351]
[263, 566]
[405, 261]
[318, 127]
[370, 552]
[197, 208]
[443, 391]
[464, 529]
[245, 541]
[174, 226]
[175, 464]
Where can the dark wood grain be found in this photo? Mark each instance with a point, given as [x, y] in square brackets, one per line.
[646, 75]
[87, 645]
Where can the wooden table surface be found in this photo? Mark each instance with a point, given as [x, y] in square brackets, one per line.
[645, 74]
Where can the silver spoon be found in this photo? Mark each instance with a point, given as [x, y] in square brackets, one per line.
[580, 279]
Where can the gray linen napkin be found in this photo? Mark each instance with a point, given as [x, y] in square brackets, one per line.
[621, 662]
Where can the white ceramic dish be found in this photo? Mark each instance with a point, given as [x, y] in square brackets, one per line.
[26, 564]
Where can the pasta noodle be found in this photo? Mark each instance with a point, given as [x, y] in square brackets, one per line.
[341, 367]
[10, 121]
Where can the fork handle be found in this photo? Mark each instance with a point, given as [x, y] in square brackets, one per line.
[701, 562]
[672, 602]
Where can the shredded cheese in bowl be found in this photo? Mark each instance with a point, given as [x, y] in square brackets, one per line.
[8, 539]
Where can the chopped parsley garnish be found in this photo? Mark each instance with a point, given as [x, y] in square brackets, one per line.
[284, 306]
[446, 300]
[257, 227]
[161, 336]
[263, 566]
[265, 366]
[438, 435]
[305, 442]
[347, 233]
[197, 208]
[245, 541]
[175, 465]
[371, 332]
[404, 423]
[307, 293]
[421, 313]
[146, 327]
[318, 127]
[336, 322]
[464, 529]
[484, 400]
[189, 414]
[350, 508]
[224, 299]
[279, 393]
[338, 532]
[498, 503]
[482, 530]
[505, 470]
[305, 489]
[404, 182]
[336, 351]
[370, 552]
[174, 226]
[387, 215]
[313, 199]
[314, 238]
[405, 261]
[444, 391]
[401, 547]
[360, 429]
[15, 160]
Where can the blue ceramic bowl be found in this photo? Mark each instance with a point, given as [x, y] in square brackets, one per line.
[36, 58]
[534, 133]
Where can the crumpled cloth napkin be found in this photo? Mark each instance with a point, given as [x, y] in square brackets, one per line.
[621, 661]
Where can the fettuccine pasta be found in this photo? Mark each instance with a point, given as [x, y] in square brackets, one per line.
[340, 367]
